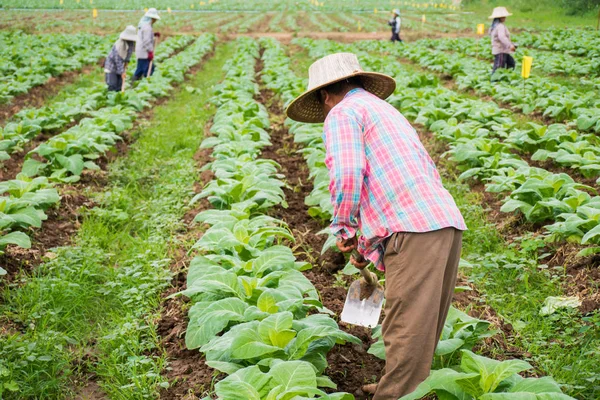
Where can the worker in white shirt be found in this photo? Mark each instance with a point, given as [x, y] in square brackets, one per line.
[395, 24]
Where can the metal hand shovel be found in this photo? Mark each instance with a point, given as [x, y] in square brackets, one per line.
[364, 299]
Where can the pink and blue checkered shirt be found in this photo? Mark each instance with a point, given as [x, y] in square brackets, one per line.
[382, 179]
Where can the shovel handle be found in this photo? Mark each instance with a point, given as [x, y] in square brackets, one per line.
[368, 276]
[364, 271]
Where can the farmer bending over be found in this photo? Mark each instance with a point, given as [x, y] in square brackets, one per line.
[144, 51]
[115, 66]
[384, 184]
[502, 47]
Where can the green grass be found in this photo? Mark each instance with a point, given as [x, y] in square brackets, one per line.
[529, 14]
[94, 307]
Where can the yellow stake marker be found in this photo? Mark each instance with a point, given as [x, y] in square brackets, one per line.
[95, 13]
[423, 19]
[169, 10]
[480, 29]
[191, 6]
[526, 69]
[145, 9]
[61, 2]
[374, 11]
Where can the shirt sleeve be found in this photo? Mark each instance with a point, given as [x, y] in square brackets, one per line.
[345, 158]
[503, 36]
[398, 24]
[147, 39]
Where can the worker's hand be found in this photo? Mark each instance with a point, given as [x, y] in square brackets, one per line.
[361, 263]
[157, 34]
[124, 75]
[150, 55]
[346, 246]
[513, 48]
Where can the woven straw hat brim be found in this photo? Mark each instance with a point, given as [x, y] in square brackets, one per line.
[500, 13]
[306, 107]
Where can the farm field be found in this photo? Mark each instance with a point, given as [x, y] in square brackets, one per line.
[171, 241]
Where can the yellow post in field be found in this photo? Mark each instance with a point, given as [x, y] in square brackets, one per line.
[94, 13]
[61, 2]
[480, 33]
[526, 69]
[169, 10]
[145, 9]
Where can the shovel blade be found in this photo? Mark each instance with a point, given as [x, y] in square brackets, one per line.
[363, 312]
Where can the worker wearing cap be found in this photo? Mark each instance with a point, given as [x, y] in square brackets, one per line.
[395, 23]
[115, 66]
[502, 47]
[144, 50]
[390, 205]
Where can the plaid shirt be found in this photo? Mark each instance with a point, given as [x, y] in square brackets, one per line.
[382, 179]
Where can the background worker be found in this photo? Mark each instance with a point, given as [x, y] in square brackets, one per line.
[115, 66]
[395, 23]
[383, 183]
[144, 50]
[502, 47]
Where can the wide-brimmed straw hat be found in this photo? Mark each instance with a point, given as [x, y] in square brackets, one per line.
[130, 34]
[152, 13]
[500, 12]
[331, 69]
[396, 11]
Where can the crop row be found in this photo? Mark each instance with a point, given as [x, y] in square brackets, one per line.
[65, 156]
[28, 123]
[29, 60]
[550, 62]
[461, 332]
[556, 101]
[255, 316]
[578, 42]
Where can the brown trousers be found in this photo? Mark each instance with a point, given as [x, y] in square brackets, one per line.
[420, 277]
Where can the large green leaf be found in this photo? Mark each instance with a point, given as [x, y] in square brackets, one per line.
[207, 319]
[445, 380]
[492, 372]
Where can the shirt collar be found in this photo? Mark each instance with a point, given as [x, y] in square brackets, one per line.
[353, 91]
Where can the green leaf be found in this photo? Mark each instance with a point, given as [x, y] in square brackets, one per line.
[207, 319]
[492, 372]
[248, 344]
[17, 238]
[442, 380]
[246, 384]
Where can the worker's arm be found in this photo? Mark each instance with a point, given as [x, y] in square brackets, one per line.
[346, 161]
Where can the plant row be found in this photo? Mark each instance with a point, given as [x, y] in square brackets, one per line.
[458, 372]
[64, 157]
[254, 315]
[30, 60]
[28, 123]
[576, 42]
[550, 62]
[540, 94]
